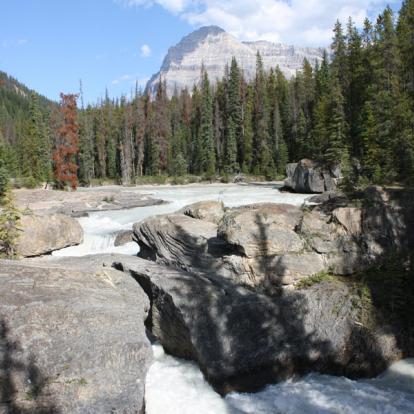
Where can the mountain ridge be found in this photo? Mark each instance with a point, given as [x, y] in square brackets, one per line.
[213, 48]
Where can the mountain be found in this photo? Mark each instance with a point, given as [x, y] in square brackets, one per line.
[14, 107]
[214, 48]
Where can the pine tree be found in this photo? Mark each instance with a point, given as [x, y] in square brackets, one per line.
[86, 141]
[196, 149]
[339, 65]
[336, 127]
[67, 147]
[384, 90]
[233, 141]
[405, 31]
[4, 178]
[261, 154]
[247, 132]
[356, 93]
[36, 150]
[162, 125]
[208, 157]
[370, 148]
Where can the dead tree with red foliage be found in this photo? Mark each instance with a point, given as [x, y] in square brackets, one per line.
[67, 145]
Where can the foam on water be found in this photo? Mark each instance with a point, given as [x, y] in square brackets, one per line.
[176, 386]
[99, 227]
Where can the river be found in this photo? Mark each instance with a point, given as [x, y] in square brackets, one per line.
[175, 386]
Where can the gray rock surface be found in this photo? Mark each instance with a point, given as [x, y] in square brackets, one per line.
[307, 177]
[176, 239]
[262, 229]
[213, 48]
[274, 244]
[123, 237]
[44, 234]
[242, 339]
[212, 211]
[82, 201]
[72, 338]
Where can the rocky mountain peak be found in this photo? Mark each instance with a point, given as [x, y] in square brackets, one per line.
[214, 48]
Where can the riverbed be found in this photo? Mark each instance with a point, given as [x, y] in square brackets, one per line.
[175, 386]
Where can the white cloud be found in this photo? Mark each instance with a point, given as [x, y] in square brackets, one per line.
[175, 6]
[145, 51]
[13, 43]
[307, 22]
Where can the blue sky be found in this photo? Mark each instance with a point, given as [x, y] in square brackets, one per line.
[50, 44]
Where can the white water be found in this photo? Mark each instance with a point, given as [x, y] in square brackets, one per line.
[99, 227]
[176, 386]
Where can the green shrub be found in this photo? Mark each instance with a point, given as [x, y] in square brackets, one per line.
[4, 181]
[9, 219]
[109, 200]
[315, 279]
[30, 182]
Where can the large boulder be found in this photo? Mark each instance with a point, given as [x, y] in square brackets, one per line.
[274, 245]
[254, 245]
[175, 239]
[307, 176]
[262, 229]
[242, 339]
[72, 338]
[212, 211]
[44, 234]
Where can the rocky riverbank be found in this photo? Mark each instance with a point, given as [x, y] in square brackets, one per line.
[245, 292]
[83, 201]
[271, 245]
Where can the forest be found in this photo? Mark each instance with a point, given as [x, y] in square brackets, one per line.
[356, 108]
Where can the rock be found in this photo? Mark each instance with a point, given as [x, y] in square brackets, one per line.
[212, 211]
[123, 237]
[287, 269]
[72, 340]
[350, 218]
[242, 339]
[212, 48]
[239, 178]
[330, 199]
[385, 223]
[176, 239]
[81, 202]
[262, 229]
[307, 177]
[45, 234]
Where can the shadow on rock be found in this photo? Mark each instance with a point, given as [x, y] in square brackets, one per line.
[10, 369]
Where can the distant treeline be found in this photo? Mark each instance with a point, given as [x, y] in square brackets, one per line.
[355, 108]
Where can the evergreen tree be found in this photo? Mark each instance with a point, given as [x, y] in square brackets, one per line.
[356, 93]
[208, 158]
[405, 31]
[335, 147]
[370, 148]
[233, 143]
[4, 178]
[384, 90]
[247, 132]
[262, 160]
[36, 160]
[339, 65]
[86, 146]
